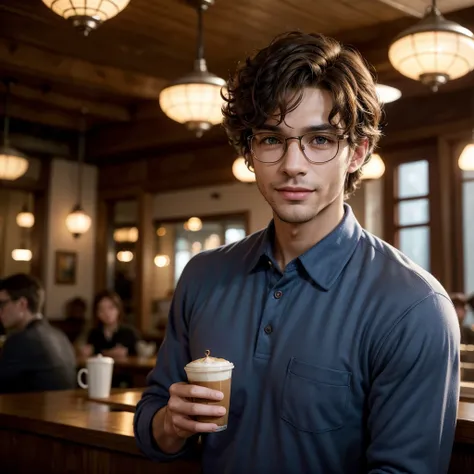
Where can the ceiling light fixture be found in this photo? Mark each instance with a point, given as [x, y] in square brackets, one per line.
[374, 168]
[195, 100]
[86, 15]
[387, 94]
[434, 50]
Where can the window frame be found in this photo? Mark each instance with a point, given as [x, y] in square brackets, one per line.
[407, 153]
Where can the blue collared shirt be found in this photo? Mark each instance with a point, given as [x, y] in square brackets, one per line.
[347, 362]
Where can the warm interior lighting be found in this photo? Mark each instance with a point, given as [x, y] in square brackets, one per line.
[195, 99]
[162, 261]
[387, 94]
[78, 222]
[22, 255]
[126, 234]
[374, 169]
[86, 15]
[466, 158]
[161, 231]
[12, 164]
[194, 224]
[241, 171]
[25, 219]
[434, 50]
[125, 256]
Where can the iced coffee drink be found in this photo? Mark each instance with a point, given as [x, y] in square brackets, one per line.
[216, 374]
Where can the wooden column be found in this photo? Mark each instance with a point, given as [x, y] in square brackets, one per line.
[104, 245]
[144, 266]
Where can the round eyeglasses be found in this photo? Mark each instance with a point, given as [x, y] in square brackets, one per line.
[317, 147]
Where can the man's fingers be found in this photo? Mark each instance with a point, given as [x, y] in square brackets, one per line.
[184, 390]
[192, 426]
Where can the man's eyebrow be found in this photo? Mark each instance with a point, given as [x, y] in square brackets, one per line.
[324, 127]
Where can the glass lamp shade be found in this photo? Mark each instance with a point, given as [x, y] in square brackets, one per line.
[78, 222]
[193, 224]
[86, 15]
[126, 234]
[22, 255]
[125, 256]
[374, 169]
[194, 100]
[387, 94]
[13, 164]
[162, 261]
[466, 158]
[25, 219]
[241, 171]
[433, 51]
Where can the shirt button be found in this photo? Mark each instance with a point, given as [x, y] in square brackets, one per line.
[268, 329]
[278, 294]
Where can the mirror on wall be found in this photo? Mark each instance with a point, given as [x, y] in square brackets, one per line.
[16, 224]
[176, 241]
[123, 257]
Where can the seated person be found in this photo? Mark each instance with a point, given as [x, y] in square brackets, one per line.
[75, 320]
[35, 356]
[460, 304]
[109, 337]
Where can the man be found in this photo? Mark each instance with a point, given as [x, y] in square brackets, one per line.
[460, 303]
[345, 352]
[35, 357]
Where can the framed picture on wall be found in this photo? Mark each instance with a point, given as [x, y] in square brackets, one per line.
[66, 268]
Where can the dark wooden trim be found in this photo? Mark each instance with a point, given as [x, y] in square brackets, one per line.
[144, 264]
[103, 243]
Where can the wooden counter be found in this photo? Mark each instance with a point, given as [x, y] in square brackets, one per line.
[64, 433]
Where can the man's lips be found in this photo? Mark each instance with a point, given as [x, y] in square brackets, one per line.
[294, 194]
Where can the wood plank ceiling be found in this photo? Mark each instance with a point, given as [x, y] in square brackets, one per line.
[118, 71]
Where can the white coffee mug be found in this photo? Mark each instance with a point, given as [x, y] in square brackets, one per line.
[99, 376]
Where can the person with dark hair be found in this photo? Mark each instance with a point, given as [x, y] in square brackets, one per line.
[460, 305]
[346, 353]
[110, 337]
[35, 356]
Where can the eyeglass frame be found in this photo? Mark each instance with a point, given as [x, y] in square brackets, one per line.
[340, 137]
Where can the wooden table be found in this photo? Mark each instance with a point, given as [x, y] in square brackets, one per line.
[122, 399]
[64, 433]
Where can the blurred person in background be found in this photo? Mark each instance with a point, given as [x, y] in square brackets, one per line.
[35, 356]
[110, 337]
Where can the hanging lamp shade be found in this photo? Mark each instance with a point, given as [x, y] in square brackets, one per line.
[78, 222]
[387, 94]
[374, 169]
[13, 164]
[195, 99]
[25, 219]
[86, 15]
[466, 158]
[242, 172]
[434, 50]
[22, 255]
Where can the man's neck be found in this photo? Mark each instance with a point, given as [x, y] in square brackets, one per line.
[293, 240]
[26, 319]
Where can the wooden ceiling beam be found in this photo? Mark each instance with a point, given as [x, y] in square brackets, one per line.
[15, 56]
[47, 96]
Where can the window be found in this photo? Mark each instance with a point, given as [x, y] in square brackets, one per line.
[468, 229]
[412, 211]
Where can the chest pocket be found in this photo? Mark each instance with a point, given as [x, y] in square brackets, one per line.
[315, 398]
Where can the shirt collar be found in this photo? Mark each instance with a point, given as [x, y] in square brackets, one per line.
[324, 261]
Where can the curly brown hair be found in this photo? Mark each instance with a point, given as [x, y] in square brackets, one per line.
[271, 83]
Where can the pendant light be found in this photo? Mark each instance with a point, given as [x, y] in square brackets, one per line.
[387, 94]
[86, 15]
[374, 168]
[25, 218]
[78, 222]
[434, 50]
[195, 99]
[242, 172]
[13, 164]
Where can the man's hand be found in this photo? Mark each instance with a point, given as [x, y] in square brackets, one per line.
[173, 424]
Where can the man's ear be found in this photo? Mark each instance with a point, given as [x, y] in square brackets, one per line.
[22, 304]
[358, 156]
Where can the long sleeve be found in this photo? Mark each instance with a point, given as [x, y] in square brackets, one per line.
[12, 367]
[415, 390]
[172, 357]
